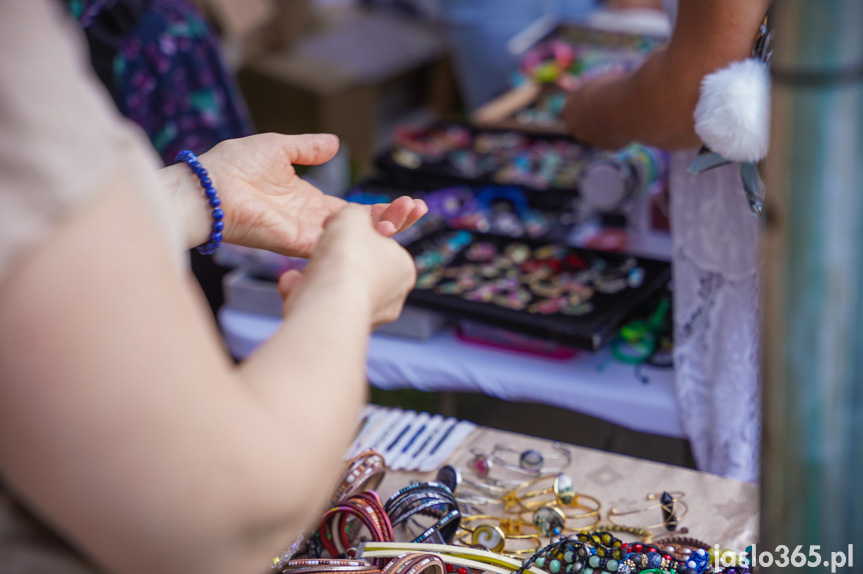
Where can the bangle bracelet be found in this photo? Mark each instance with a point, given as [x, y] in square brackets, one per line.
[531, 461]
[417, 490]
[456, 555]
[367, 508]
[669, 503]
[218, 224]
[493, 539]
[328, 565]
[450, 476]
[363, 472]
[561, 490]
[443, 531]
[415, 563]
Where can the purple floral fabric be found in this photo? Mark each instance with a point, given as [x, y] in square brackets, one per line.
[166, 73]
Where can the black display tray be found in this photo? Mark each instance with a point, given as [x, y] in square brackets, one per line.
[438, 171]
[588, 332]
[560, 206]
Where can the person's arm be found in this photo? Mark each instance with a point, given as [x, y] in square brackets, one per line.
[655, 104]
[126, 427]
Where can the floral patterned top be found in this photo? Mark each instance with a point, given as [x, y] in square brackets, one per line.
[162, 64]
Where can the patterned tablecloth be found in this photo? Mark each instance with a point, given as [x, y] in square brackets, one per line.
[720, 510]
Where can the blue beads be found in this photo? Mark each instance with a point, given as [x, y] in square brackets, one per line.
[654, 560]
[212, 198]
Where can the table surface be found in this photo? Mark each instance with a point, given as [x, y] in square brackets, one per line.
[591, 383]
[720, 510]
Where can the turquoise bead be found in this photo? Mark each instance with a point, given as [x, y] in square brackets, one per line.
[612, 565]
[567, 556]
[554, 566]
[594, 561]
[540, 562]
[588, 571]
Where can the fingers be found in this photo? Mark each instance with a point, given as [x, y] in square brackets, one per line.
[308, 149]
[385, 228]
[401, 213]
[420, 209]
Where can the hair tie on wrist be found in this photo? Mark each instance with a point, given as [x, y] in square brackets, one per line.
[218, 226]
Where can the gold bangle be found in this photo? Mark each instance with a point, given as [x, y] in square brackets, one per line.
[493, 539]
[553, 519]
[561, 489]
[669, 502]
[510, 526]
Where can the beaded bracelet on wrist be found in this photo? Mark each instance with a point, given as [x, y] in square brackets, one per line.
[218, 225]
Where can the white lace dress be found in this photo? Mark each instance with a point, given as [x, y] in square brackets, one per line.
[716, 318]
[717, 314]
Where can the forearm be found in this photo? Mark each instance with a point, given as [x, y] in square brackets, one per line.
[139, 429]
[655, 104]
[647, 106]
[187, 197]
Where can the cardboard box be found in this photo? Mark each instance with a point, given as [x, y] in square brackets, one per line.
[343, 80]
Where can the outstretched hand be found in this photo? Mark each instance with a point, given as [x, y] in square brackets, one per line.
[268, 206]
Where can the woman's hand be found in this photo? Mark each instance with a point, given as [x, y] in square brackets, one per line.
[352, 252]
[266, 205]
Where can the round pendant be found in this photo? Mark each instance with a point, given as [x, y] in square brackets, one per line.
[531, 460]
[489, 537]
[564, 489]
[481, 465]
[548, 520]
[450, 476]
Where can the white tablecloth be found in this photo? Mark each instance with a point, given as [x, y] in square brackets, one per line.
[590, 383]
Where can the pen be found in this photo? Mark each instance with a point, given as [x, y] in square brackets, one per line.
[414, 438]
[398, 438]
[442, 439]
[432, 436]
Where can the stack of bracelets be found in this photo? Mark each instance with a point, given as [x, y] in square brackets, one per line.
[537, 523]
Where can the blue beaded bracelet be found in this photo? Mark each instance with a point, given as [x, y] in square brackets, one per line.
[218, 226]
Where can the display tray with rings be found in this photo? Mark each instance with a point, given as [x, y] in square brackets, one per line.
[468, 154]
[577, 297]
[507, 210]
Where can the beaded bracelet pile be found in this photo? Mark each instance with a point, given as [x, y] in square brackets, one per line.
[218, 225]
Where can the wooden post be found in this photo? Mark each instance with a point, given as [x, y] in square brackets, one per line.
[812, 479]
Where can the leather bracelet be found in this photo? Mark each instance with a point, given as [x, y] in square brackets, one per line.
[443, 531]
[402, 501]
[365, 507]
[428, 507]
[363, 472]
[405, 504]
[369, 503]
